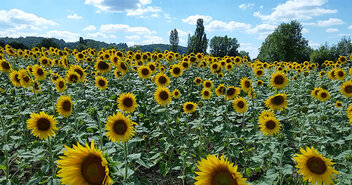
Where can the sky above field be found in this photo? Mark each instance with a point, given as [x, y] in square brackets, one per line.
[150, 21]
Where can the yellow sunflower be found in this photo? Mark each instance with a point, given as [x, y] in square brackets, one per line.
[79, 70]
[127, 102]
[36, 88]
[346, 89]
[101, 82]
[259, 72]
[314, 167]
[144, 72]
[220, 90]
[338, 104]
[122, 67]
[60, 85]
[246, 84]
[119, 127]
[260, 82]
[277, 102]
[176, 70]
[25, 79]
[64, 106]
[269, 125]
[5, 66]
[331, 74]
[266, 113]
[232, 92]
[323, 95]
[315, 92]
[215, 171]
[83, 165]
[197, 80]
[176, 93]
[102, 67]
[189, 107]
[39, 72]
[72, 77]
[162, 96]
[340, 74]
[162, 80]
[278, 80]
[42, 125]
[208, 84]
[206, 94]
[240, 105]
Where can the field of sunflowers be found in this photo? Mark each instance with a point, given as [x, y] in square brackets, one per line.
[123, 117]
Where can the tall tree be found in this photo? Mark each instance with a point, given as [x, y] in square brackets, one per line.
[198, 43]
[174, 40]
[47, 43]
[224, 46]
[285, 43]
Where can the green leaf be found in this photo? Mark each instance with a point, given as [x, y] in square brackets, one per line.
[134, 156]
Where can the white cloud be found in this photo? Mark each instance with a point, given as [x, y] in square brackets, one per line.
[131, 43]
[314, 45]
[153, 40]
[261, 6]
[345, 35]
[133, 37]
[146, 1]
[350, 27]
[224, 26]
[305, 30]
[100, 35]
[141, 10]
[296, 10]
[16, 19]
[155, 15]
[330, 22]
[182, 33]
[330, 30]
[250, 48]
[125, 28]
[65, 35]
[89, 28]
[245, 6]
[262, 28]
[193, 19]
[74, 16]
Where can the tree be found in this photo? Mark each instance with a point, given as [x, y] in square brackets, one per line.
[198, 43]
[244, 53]
[344, 47]
[323, 53]
[47, 43]
[174, 40]
[17, 45]
[285, 43]
[82, 44]
[224, 46]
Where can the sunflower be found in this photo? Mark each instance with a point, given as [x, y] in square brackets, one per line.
[60, 85]
[314, 167]
[162, 80]
[72, 77]
[101, 82]
[215, 171]
[102, 67]
[266, 113]
[232, 92]
[277, 102]
[331, 74]
[259, 72]
[42, 125]
[5, 66]
[117, 74]
[25, 79]
[206, 93]
[208, 84]
[79, 70]
[240, 105]
[338, 104]
[323, 95]
[315, 91]
[246, 84]
[162, 96]
[83, 165]
[197, 80]
[119, 127]
[278, 80]
[220, 90]
[152, 66]
[189, 107]
[176, 70]
[340, 74]
[39, 72]
[176, 93]
[269, 125]
[45, 61]
[260, 82]
[64, 106]
[342, 59]
[127, 102]
[122, 67]
[144, 72]
[346, 89]
[36, 88]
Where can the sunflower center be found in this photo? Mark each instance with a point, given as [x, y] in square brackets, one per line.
[145, 71]
[123, 66]
[138, 57]
[92, 170]
[206, 93]
[152, 67]
[127, 102]
[103, 66]
[270, 124]
[163, 95]
[259, 72]
[348, 89]
[215, 66]
[176, 93]
[43, 124]
[162, 80]
[198, 81]
[189, 106]
[17, 79]
[185, 64]
[230, 92]
[44, 61]
[324, 95]
[208, 84]
[80, 72]
[26, 79]
[101, 83]
[277, 100]
[247, 84]
[61, 84]
[40, 72]
[66, 105]
[240, 104]
[36, 86]
[279, 80]
[176, 70]
[120, 127]
[223, 177]
[316, 165]
[340, 73]
[316, 92]
[80, 55]
[73, 78]
[5, 65]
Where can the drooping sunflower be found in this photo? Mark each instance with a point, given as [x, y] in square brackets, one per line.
[197, 80]
[60, 85]
[122, 67]
[119, 127]
[102, 67]
[25, 79]
[127, 102]
[36, 88]
[346, 89]
[269, 125]
[189, 107]
[323, 95]
[331, 74]
[39, 72]
[162, 96]
[246, 84]
[83, 165]
[277, 102]
[208, 84]
[72, 77]
[218, 171]
[220, 90]
[340, 74]
[176, 70]
[232, 92]
[176, 93]
[5, 66]
[240, 105]
[64, 106]
[144, 72]
[278, 80]
[266, 113]
[314, 167]
[42, 125]
[162, 80]
[206, 94]
[101, 82]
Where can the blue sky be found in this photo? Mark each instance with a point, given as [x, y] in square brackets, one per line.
[149, 21]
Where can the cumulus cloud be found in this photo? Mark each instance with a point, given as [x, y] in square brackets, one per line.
[65, 35]
[100, 35]
[226, 26]
[153, 40]
[125, 28]
[250, 48]
[296, 10]
[350, 27]
[330, 22]
[193, 19]
[74, 16]
[142, 10]
[245, 6]
[331, 30]
[133, 37]
[314, 45]
[89, 28]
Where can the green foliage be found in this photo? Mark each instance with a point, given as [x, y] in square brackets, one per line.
[224, 46]
[17, 45]
[198, 43]
[47, 43]
[286, 43]
[174, 40]
[244, 53]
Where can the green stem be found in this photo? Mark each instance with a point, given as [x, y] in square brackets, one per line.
[6, 151]
[126, 160]
[51, 159]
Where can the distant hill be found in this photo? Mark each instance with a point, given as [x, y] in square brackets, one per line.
[31, 41]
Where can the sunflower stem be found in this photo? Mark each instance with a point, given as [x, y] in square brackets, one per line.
[125, 148]
[6, 151]
[51, 162]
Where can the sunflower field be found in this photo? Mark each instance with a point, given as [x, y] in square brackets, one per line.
[123, 117]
